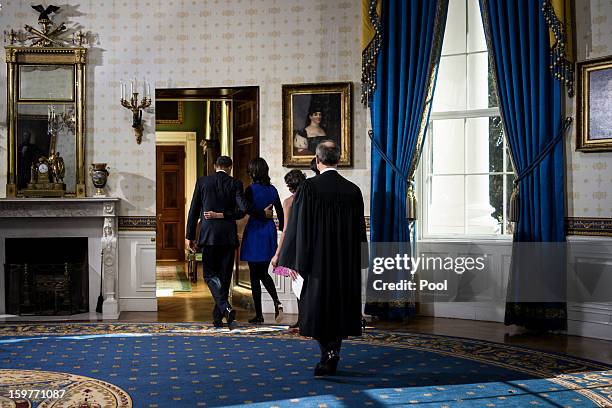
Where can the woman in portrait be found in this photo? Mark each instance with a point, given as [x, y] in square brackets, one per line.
[306, 139]
[259, 238]
[293, 179]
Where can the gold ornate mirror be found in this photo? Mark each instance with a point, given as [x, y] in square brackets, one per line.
[45, 113]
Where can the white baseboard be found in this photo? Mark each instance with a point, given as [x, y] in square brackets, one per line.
[289, 306]
[588, 329]
[467, 311]
[138, 304]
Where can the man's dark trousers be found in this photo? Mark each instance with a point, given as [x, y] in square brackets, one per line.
[218, 264]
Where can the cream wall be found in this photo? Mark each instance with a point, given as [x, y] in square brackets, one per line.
[201, 44]
[589, 175]
[254, 42]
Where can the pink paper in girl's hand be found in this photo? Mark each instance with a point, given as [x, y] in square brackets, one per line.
[282, 271]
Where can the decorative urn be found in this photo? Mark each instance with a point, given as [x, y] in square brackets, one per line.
[99, 176]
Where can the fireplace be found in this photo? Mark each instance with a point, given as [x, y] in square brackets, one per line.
[56, 238]
[46, 276]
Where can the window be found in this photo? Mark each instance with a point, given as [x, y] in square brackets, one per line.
[466, 172]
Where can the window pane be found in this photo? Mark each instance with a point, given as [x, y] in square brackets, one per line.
[446, 205]
[478, 80]
[509, 187]
[496, 198]
[447, 146]
[477, 133]
[475, 31]
[508, 160]
[493, 103]
[485, 145]
[483, 192]
[450, 93]
[454, 33]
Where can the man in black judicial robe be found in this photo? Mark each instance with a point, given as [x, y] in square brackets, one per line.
[323, 243]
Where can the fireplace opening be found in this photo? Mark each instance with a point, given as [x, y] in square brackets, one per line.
[46, 276]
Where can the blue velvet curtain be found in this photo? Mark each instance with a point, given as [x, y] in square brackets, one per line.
[412, 33]
[531, 106]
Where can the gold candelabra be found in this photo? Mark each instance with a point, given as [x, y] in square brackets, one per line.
[136, 107]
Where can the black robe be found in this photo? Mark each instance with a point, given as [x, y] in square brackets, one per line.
[323, 242]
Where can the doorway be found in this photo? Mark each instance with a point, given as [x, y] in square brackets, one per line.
[170, 191]
[193, 127]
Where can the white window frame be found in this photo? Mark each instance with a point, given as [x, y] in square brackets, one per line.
[425, 166]
[424, 172]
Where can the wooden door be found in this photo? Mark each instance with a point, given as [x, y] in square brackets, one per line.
[171, 202]
[246, 131]
[245, 147]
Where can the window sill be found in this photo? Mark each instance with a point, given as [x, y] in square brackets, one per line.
[466, 238]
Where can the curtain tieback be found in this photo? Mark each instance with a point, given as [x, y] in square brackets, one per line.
[411, 200]
[514, 215]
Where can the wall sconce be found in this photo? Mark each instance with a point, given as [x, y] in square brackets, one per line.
[135, 106]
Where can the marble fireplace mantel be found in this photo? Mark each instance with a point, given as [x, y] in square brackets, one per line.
[92, 217]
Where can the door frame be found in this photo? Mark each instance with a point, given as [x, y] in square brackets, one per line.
[189, 141]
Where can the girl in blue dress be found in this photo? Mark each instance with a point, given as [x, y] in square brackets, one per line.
[259, 241]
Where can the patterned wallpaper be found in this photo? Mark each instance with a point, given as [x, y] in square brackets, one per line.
[210, 43]
[589, 175]
[201, 43]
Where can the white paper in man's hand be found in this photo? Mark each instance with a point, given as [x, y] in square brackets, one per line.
[296, 286]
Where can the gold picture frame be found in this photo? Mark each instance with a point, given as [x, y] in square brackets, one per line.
[169, 112]
[594, 105]
[312, 113]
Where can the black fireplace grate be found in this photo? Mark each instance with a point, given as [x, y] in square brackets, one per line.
[44, 289]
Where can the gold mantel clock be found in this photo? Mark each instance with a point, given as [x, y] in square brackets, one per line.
[45, 111]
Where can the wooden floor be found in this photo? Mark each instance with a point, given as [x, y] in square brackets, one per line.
[197, 307]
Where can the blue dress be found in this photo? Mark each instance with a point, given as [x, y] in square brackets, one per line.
[259, 240]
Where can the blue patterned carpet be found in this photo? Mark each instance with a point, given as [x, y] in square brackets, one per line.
[194, 365]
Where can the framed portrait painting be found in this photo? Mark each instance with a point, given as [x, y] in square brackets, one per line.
[594, 102]
[313, 113]
[169, 112]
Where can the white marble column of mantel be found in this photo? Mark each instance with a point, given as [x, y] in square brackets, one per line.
[110, 306]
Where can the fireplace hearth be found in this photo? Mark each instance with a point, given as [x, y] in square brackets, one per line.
[46, 276]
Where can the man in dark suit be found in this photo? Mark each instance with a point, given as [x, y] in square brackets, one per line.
[323, 243]
[218, 202]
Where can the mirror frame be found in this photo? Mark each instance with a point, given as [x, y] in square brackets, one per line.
[19, 56]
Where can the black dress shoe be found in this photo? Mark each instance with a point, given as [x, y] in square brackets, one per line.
[329, 365]
[278, 311]
[320, 369]
[230, 315]
[217, 323]
[332, 362]
[257, 320]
